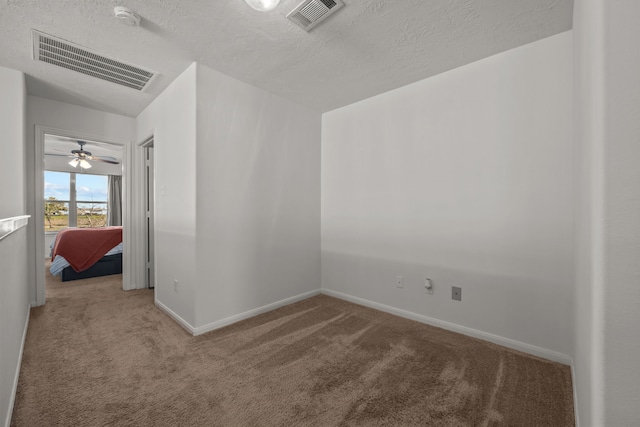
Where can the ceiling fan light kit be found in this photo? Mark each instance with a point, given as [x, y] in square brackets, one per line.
[262, 5]
[82, 162]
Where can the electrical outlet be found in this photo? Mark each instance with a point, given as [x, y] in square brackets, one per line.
[456, 293]
[399, 283]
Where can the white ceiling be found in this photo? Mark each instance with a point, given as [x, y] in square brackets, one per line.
[365, 48]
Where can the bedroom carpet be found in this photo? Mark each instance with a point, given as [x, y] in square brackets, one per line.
[98, 356]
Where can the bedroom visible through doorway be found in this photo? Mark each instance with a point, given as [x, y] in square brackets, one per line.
[82, 208]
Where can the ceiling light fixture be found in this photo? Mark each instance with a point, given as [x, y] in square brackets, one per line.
[82, 162]
[262, 5]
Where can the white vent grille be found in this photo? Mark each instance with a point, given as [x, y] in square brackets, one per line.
[310, 13]
[59, 52]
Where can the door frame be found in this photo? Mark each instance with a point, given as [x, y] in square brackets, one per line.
[148, 197]
[38, 218]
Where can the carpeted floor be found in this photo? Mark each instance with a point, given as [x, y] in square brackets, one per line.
[98, 356]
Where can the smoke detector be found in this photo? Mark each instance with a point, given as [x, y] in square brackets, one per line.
[310, 13]
[126, 15]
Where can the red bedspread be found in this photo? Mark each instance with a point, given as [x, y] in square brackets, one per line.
[83, 247]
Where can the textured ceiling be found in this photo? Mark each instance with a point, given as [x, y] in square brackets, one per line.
[365, 48]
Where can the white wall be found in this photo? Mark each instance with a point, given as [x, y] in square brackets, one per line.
[81, 121]
[237, 207]
[14, 286]
[588, 134]
[172, 119]
[466, 178]
[607, 135]
[621, 296]
[258, 198]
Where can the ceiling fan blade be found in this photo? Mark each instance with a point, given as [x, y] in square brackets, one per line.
[57, 154]
[105, 159]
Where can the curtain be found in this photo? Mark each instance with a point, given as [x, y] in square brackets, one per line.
[114, 214]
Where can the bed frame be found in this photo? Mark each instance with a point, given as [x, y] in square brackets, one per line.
[107, 265]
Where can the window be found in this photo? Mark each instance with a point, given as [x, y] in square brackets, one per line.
[74, 200]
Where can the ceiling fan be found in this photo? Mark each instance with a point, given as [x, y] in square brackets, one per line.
[82, 157]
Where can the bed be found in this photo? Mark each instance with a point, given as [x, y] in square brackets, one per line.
[80, 253]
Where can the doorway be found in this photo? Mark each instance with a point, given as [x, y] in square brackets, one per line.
[83, 195]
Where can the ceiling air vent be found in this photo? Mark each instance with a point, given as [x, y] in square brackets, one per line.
[60, 52]
[310, 13]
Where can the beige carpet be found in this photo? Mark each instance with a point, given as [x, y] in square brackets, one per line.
[98, 356]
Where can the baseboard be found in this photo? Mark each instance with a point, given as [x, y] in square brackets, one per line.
[496, 339]
[14, 390]
[251, 313]
[186, 325]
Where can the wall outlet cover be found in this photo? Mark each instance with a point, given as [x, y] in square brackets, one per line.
[456, 293]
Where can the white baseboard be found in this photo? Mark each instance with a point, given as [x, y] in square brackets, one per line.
[251, 313]
[16, 377]
[496, 339]
[575, 394]
[175, 317]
